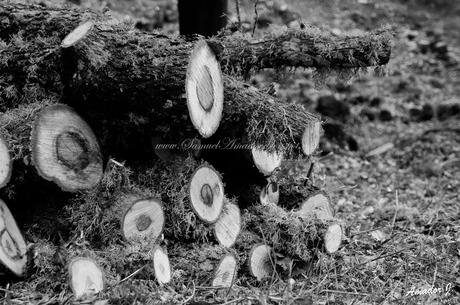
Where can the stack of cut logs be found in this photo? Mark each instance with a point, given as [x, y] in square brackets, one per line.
[63, 71]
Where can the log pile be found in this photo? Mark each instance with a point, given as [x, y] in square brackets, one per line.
[78, 89]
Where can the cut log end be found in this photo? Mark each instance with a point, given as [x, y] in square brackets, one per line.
[260, 262]
[143, 221]
[266, 162]
[65, 149]
[206, 193]
[310, 137]
[6, 163]
[226, 272]
[13, 249]
[333, 238]
[270, 193]
[86, 278]
[77, 34]
[161, 265]
[228, 226]
[205, 90]
[318, 206]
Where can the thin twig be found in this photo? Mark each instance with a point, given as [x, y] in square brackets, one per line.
[256, 20]
[237, 5]
[374, 259]
[235, 300]
[345, 292]
[132, 274]
[191, 296]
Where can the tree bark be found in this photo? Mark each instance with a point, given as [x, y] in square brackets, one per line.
[307, 48]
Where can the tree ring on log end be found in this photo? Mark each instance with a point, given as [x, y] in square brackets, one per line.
[266, 162]
[206, 181]
[317, 205]
[65, 149]
[207, 194]
[72, 150]
[228, 226]
[77, 34]
[161, 265]
[13, 249]
[333, 238]
[310, 137]
[86, 277]
[205, 90]
[143, 221]
[260, 263]
[226, 271]
[6, 164]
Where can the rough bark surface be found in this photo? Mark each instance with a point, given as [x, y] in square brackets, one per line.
[308, 48]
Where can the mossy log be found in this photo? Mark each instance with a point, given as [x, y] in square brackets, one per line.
[207, 265]
[308, 48]
[140, 77]
[60, 145]
[292, 233]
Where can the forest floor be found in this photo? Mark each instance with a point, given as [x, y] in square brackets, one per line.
[401, 202]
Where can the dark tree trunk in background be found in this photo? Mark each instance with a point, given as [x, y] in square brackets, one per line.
[204, 17]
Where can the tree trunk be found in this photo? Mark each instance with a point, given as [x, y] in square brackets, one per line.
[202, 17]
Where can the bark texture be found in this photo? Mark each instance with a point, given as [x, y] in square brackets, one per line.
[308, 48]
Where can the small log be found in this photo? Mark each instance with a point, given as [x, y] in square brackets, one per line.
[317, 205]
[333, 238]
[161, 265]
[289, 232]
[228, 226]
[6, 164]
[226, 271]
[261, 262]
[205, 91]
[206, 193]
[13, 249]
[123, 215]
[144, 219]
[65, 149]
[86, 277]
[310, 138]
[266, 162]
[204, 264]
[308, 48]
[62, 146]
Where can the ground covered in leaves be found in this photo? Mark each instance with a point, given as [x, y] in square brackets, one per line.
[390, 159]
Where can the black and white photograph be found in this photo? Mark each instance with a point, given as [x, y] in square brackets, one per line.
[226, 152]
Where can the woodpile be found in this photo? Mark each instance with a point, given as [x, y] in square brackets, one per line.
[78, 89]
